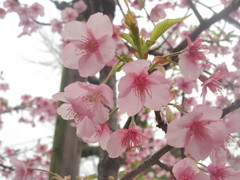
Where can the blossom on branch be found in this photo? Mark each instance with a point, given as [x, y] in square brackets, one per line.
[138, 88]
[122, 139]
[188, 60]
[198, 131]
[91, 44]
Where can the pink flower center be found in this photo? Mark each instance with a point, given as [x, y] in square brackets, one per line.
[141, 86]
[198, 129]
[131, 139]
[88, 44]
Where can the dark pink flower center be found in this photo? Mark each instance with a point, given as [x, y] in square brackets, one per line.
[141, 86]
[88, 45]
[131, 139]
[198, 129]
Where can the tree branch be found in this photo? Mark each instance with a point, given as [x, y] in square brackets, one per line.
[207, 23]
[147, 163]
[235, 105]
[194, 9]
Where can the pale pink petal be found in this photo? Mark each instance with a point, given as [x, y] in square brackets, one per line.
[104, 138]
[66, 111]
[107, 48]
[115, 147]
[201, 176]
[188, 68]
[125, 85]
[90, 66]
[71, 55]
[215, 128]
[140, 65]
[74, 30]
[85, 127]
[102, 114]
[159, 97]
[60, 97]
[185, 167]
[199, 147]
[107, 95]
[176, 135]
[100, 25]
[233, 124]
[130, 104]
[209, 113]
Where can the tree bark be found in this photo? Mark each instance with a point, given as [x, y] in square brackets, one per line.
[66, 151]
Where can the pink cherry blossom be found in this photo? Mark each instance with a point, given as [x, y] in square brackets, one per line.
[188, 60]
[11, 5]
[22, 172]
[186, 84]
[222, 172]
[158, 12]
[91, 46]
[69, 14]
[137, 88]
[102, 135]
[36, 10]
[122, 139]
[197, 131]
[186, 169]
[56, 26]
[211, 83]
[80, 6]
[2, 13]
[82, 99]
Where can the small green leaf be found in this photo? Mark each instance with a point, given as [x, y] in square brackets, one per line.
[146, 46]
[163, 26]
[179, 108]
[128, 38]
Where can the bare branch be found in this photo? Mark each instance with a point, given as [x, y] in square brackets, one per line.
[147, 163]
[235, 105]
[194, 9]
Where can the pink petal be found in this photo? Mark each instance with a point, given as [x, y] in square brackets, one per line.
[209, 113]
[139, 65]
[201, 176]
[214, 129]
[85, 127]
[188, 68]
[159, 97]
[66, 111]
[71, 55]
[176, 135]
[107, 95]
[107, 48]
[89, 65]
[115, 147]
[74, 30]
[131, 103]
[60, 97]
[102, 114]
[100, 25]
[233, 124]
[199, 147]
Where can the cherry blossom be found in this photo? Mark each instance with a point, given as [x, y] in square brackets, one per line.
[138, 88]
[186, 169]
[197, 131]
[56, 26]
[80, 6]
[122, 139]
[69, 14]
[188, 60]
[82, 99]
[222, 172]
[91, 46]
[158, 12]
[186, 84]
[22, 172]
[211, 83]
